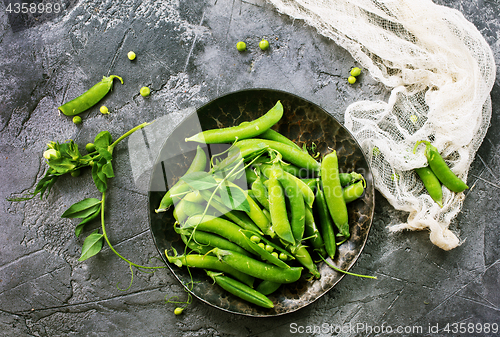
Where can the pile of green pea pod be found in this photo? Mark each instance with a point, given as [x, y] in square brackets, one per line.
[291, 213]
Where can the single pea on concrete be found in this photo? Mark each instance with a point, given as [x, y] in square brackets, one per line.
[355, 72]
[131, 55]
[104, 110]
[351, 79]
[145, 91]
[264, 44]
[241, 46]
[77, 120]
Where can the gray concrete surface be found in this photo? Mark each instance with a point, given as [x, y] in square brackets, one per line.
[186, 55]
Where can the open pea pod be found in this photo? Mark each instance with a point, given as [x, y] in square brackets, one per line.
[262, 252]
[262, 238]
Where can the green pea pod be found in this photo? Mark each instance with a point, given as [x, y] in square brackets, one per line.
[208, 239]
[302, 255]
[255, 212]
[326, 223]
[209, 262]
[196, 247]
[304, 188]
[354, 191]
[199, 163]
[289, 153]
[238, 217]
[258, 269]
[333, 193]
[219, 226]
[276, 247]
[241, 290]
[262, 252]
[441, 169]
[267, 287]
[250, 175]
[179, 213]
[349, 178]
[277, 207]
[313, 234]
[431, 183]
[89, 98]
[270, 134]
[249, 130]
[191, 208]
[297, 209]
[260, 192]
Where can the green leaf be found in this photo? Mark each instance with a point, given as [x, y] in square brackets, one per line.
[234, 198]
[101, 185]
[62, 165]
[105, 153]
[82, 209]
[92, 245]
[200, 180]
[102, 140]
[107, 169]
[81, 225]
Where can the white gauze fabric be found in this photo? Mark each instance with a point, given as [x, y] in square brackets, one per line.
[440, 71]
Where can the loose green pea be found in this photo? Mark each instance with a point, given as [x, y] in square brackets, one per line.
[90, 147]
[178, 310]
[131, 55]
[351, 79]
[145, 91]
[75, 173]
[264, 44]
[355, 71]
[241, 46]
[77, 120]
[104, 110]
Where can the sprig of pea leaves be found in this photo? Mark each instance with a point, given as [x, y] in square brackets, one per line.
[65, 158]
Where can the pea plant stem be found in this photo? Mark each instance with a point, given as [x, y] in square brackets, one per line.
[111, 246]
[128, 133]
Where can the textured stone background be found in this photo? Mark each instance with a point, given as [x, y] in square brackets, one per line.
[186, 55]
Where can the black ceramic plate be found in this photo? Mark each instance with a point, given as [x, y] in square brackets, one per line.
[304, 123]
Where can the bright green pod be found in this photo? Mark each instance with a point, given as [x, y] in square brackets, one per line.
[260, 192]
[248, 130]
[90, 97]
[267, 287]
[313, 234]
[441, 169]
[258, 269]
[199, 163]
[333, 193]
[304, 188]
[277, 207]
[238, 217]
[289, 153]
[354, 191]
[209, 262]
[325, 223]
[219, 226]
[431, 183]
[241, 290]
[297, 209]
